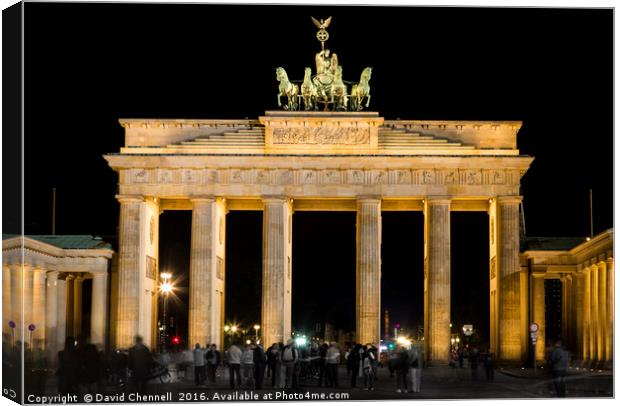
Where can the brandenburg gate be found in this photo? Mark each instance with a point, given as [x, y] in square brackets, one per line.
[289, 161]
[328, 155]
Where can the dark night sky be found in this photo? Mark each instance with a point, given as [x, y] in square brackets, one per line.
[87, 65]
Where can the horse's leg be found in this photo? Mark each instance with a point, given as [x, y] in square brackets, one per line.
[368, 101]
[279, 102]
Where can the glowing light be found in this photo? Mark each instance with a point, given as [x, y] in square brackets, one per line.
[248, 342]
[403, 341]
[226, 328]
[165, 275]
[301, 341]
[256, 327]
[234, 329]
[176, 340]
[165, 287]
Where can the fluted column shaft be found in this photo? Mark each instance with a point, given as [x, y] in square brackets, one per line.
[69, 319]
[586, 332]
[78, 283]
[602, 312]
[6, 300]
[368, 272]
[128, 272]
[17, 290]
[538, 314]
[594, 322]
[98, 311]
[609, 341]
[204, 309]
[61, 318]
[579, 313]
[437, 279]
[510, 326]
[277, 270]
[28, 285]
[38, 305]
[51, 314]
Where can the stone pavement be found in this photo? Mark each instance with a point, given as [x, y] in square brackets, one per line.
[437, 383]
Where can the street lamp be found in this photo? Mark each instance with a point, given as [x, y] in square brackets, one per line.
[256, 328]
[165, 288]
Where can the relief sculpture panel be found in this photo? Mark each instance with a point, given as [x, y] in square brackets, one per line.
[321, 135]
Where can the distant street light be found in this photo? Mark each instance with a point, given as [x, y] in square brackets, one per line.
[256, 328]
[166, 287]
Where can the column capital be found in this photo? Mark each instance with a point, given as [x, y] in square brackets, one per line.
[39, 270]
[277, 199]
[130, 198]
[509, 199]
[202, 199]
[53, 274]
[439, 200]
[368, 199]
[98, 274]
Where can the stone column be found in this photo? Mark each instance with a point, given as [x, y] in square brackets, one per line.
[38, 304]
[127, 319]
[538, 313]
[202, 276]
[602, 313]
[61, 317]
[6, 301]
[579, 313]
[78, 283]
[51, 316]
[69, 284]
[437, 279]
[28, 285]
[368, 271]
[16, 301]
[586, 316]
[594, 354]
[564, 307]
[609, 341]
[510, 327]
[98, 311]
[277, 243]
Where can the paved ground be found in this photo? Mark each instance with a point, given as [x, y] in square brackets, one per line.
[437, 383]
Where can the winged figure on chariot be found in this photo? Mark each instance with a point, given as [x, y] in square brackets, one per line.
[327, 86]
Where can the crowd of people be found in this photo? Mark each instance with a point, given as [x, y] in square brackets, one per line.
[81, 368]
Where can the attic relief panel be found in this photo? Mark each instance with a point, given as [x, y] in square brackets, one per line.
[321, 176]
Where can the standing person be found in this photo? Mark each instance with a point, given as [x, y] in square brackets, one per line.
[473, 363]
[415, 368]
[272, 361]
[247, 366]
[199, 365]
[234, 365]
[559, 365]
[323, 365]
[401, 366]
[92, 367]
[260, 363]
[68, 368]
[290, 357]
[354, 363]
[332, 360]
[489, 366]
[369, 374]
[139, 363]
[213, 360]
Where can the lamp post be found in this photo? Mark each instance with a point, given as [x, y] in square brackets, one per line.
[256, 328]
[165, 288]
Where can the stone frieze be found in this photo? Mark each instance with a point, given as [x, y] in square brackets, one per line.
[241, 176]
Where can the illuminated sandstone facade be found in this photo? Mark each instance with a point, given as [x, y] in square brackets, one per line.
[586, 272]
[46, 275]
[286, 162]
